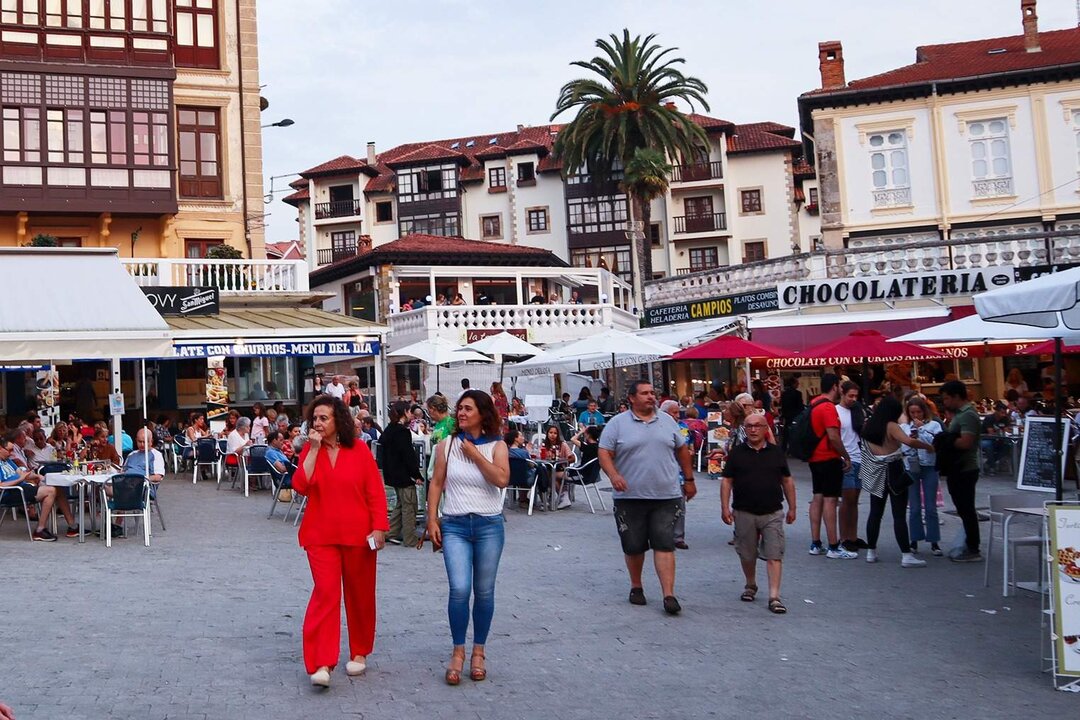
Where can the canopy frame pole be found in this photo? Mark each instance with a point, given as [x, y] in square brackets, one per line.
[380, 384]
[1059, 397]
[118, 426]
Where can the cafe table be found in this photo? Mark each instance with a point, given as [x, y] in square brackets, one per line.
[1010, 513]
[81, 481]
[552, 465]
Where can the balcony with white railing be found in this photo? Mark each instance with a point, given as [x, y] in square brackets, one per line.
[542, 324]
[230, 276]
[1019, 250]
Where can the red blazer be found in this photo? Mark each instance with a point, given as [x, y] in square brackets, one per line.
[345, 503]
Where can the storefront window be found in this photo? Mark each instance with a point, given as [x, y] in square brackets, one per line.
[935, 372]
[264, 378]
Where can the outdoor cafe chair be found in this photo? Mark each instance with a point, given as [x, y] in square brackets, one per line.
[130, 498]
[280, 481]
[255, 465]
[587, 476]
[230, 467]
[11, 498]
[998, 504]
[522, 480]
[179, 445]
[206, 456]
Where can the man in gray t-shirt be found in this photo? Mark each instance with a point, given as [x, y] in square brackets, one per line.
[641, 451]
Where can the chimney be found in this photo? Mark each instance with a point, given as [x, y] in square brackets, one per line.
[831, 63]
[371, 158]
[1031, 25]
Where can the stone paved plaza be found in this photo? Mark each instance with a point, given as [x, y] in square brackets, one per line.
[206, 624]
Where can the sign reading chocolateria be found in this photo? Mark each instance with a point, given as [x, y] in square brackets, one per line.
[890, 288]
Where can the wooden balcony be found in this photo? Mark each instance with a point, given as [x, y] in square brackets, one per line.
[697, 172]
[700, 223]
[338, 208]
[328, 256]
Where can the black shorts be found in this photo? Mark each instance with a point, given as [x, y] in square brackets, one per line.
[645, 524]
[14, 498]
[828, 477]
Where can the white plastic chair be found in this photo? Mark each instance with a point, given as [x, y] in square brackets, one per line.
[998, 504]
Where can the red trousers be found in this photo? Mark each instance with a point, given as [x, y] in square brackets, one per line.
[331, 567]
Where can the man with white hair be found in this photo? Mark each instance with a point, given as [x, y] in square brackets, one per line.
[336, 388]
[672, 408]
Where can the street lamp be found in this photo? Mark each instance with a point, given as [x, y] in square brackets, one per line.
[281, 123]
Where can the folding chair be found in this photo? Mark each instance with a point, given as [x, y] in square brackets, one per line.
[206, 456]
[522, 480]
[11, 498]
[587, 476]
[255, 465]
[130, 498]
[279, 481]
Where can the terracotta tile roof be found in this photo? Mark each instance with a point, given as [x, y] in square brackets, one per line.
[426, 153]
[288, 250]
[299, 183]
[527, 146]
[711, 123]
[437, 250]
[803, 169]
[955, 61]
[472, 173]
[491, 152]
[296, 197]
[344, 163]
[800, 196]
[761, 137]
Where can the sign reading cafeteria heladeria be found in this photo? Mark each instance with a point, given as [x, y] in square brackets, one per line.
[890, 288]
[276, 348]
[726, 306]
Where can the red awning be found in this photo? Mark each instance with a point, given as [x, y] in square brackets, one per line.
[799, 337]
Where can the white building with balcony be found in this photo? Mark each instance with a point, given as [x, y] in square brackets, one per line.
[424, 287]
[741, 199]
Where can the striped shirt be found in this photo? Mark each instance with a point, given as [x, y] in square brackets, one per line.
[466, 490]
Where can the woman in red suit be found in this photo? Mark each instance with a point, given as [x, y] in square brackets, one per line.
[344, 525]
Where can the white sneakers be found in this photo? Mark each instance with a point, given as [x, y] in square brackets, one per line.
[841, 553]
[909, 560]
[871, 556]
[321, 677]
[564, 502]
[356, 666]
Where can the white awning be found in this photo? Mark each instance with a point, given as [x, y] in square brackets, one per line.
[74, 304]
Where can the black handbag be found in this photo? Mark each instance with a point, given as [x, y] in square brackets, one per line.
[898, 479]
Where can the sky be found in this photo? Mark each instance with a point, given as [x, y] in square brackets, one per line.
[352, 71]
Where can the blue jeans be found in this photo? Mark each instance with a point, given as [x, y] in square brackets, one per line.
[925, 486]
[472, 546]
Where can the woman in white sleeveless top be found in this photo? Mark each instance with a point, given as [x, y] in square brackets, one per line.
[471, 468]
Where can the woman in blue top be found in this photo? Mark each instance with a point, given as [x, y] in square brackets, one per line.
[922, 495]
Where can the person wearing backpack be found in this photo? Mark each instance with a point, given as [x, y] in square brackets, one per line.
[828, 463]
[852, 416]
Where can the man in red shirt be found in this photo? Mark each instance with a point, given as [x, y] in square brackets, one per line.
[827, 467]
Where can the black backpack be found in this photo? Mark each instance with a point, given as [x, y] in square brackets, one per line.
[802, 440]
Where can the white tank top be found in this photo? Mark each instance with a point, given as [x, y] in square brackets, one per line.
[466, 490]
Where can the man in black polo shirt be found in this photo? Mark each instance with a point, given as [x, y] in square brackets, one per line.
[758, 474]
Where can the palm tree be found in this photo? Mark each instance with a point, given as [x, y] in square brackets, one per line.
[631, 106]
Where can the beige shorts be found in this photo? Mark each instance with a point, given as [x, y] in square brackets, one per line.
[759, 535]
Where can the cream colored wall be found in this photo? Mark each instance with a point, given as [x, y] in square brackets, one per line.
[771, 173]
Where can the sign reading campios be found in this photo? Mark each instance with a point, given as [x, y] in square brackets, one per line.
[889, 288]
[726, 306]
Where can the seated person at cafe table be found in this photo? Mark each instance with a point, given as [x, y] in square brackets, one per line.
[275, 451]
[33, 491]
[136, 464]
[995, 427]
[554, 449]
[39, 451]
[591, 415]
[102, 449]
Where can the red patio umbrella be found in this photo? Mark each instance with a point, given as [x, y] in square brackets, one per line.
[868, 346]
[1047, 348]
[727, 347]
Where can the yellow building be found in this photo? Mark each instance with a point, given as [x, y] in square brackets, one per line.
[133, 125]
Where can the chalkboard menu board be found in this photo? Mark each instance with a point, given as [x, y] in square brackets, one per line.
[1037, 454]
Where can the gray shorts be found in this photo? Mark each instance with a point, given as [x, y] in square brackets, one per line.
[645, 524]
[759, 535]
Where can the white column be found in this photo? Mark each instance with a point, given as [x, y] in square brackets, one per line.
[381, 400]
[431, 285]
[310, 246]
[517, 283]
[117, 424]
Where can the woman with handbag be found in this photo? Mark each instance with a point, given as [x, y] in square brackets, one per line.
[472, 467]
[922, 497]
[884, 477]
[344, 526]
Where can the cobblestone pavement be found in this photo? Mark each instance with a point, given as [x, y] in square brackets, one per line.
[206, 624]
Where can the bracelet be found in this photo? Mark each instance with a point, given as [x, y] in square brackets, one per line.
[689, 480]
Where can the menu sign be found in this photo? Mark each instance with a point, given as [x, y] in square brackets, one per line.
[217, 389]
[1064, 521]
[1037, 454]
[719, 307]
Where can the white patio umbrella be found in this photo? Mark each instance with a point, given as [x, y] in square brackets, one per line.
[1048, 304]
[501, 345]
[611, 348]
[973, 329]
[438, 352]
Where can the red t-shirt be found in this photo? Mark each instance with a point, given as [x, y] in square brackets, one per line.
[346, 501]
[822, 417]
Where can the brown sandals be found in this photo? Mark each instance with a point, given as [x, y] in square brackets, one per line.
[453, 674]
[748, 593]
[477, 671]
